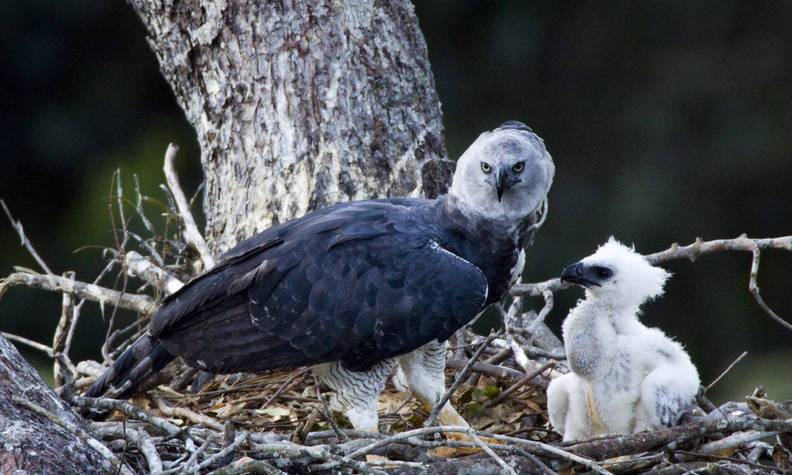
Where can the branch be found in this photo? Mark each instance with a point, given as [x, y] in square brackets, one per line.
[143, 268]
[458, 381]
[191, 233]
[25, 241]
[692, 251]
[138, 303]
[603, 448]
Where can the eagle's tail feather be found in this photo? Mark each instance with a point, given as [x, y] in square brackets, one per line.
[142, 359]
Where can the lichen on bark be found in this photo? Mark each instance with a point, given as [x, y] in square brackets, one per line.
[298, 105]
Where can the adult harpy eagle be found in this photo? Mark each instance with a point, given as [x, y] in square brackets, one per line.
[359, 286]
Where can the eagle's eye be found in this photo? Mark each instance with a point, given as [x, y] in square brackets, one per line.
[486, 168]
[518, 167]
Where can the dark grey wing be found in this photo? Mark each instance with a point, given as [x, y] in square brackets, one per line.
[356, 283]
[365, 300]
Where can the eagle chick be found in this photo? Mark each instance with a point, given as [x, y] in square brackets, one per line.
[626, 377]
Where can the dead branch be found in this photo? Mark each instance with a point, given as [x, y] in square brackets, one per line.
[691, 252]
[143, 268]
[17, 225]
[138, 303]
[191, 233]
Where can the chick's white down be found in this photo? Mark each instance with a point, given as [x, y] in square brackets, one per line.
[626, 377]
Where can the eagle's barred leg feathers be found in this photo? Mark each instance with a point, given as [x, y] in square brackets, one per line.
[423, 371]
[356, 392]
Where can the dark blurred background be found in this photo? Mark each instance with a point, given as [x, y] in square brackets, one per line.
[667, 121]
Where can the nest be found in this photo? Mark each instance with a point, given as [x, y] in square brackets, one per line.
[279, 422]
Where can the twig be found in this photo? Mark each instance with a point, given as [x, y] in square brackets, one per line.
[62, 331]
[430, 421]
[508, 392]
[238, 440]
[24, 239]
[149, 451]
[187, 467]
[753, 287]
[291, 449]
[188, 414]
[191, 233]
[734, 363]
[247, 467]
[33, 344]
[143, 268]
[126, 408]
[735, 440]
[138, 303]
[486, 448]
[74, 429]
[327, 412]
[531, 444]
[487, 369]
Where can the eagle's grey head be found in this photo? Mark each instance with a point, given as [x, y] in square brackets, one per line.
[619, 274]
[504, 174]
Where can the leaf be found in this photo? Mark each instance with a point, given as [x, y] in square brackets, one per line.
[274, 412]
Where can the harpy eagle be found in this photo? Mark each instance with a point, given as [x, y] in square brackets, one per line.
[359, 287]
[626, 377]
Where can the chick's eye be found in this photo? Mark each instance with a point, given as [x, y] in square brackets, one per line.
[486, 167]
[604, 272]
[518, 167]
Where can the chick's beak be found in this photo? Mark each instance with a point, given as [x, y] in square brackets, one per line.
[579, 274]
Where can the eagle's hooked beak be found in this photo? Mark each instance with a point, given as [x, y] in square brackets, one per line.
[504, 180]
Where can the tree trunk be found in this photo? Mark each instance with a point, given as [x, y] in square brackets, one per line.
[29, 441]
[298, 105]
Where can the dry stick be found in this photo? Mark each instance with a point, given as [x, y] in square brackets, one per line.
[735, 440]
[143, 268]
[753, 287]
[126, 408]
[187, 467]
[764, 468]
[734, 363]
[539, 446]
[33, 344]
[149, 451]
[487, 369]
[17, 225]
[191, 233]
[505, 394]
[239, 440]
[60, 338]
[188, 414]
[328, 413]
[430, 421]
[486, 448]
[292, 450]
[138, 303]
[76, 430]
[250, 466]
